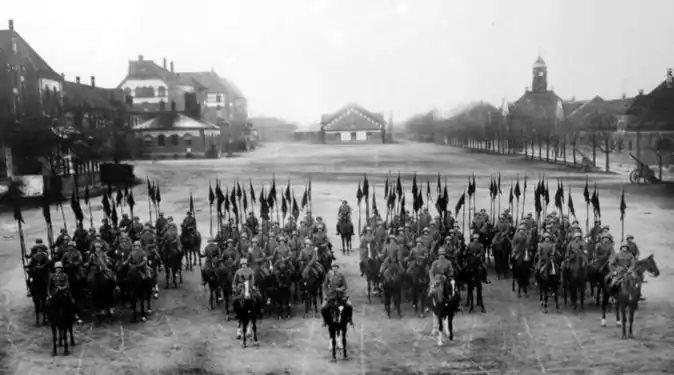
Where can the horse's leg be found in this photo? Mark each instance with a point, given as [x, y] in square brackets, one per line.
[244, 330]
[441, 328]
[480, 301]
[72, 337]
[369, 291]
[254, 331]
[54, 336]
[64, 336]
[36, 304]
[544, 293]
[167, 270]
[623, 317]
[555, 293]
[387, 301]
[333, 342]
[632, 307]
[344, 329]
[175, 279]
[398, 301]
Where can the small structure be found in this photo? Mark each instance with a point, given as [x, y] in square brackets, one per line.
[353, 124]
[173, 135]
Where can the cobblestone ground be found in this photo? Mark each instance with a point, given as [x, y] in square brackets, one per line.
[514, 336]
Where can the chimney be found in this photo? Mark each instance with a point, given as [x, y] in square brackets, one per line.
[171, 66]
[624, 96]
[670, 79]
[63, 76]
[164, 63]
[140, 57]
[173, 106]
[573, 99]
[93, 81]
[641, 91]
[162, 106]
[77, 80]
[526, 89]
[11, 25]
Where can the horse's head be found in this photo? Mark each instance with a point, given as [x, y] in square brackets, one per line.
[648, 265]
[437, 290]
[246, 289]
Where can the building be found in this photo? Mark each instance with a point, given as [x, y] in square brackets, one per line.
[353, 124]
[153, 87]
[174, 135]
[271, 129]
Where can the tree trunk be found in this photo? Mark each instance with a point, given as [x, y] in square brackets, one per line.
[608, 154]
[594, 148]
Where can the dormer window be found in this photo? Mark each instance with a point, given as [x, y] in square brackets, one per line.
[218, 98]
[161, 91]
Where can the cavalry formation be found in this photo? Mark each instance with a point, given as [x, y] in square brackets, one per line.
[255, 262]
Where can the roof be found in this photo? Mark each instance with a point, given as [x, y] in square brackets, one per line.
[571, 105]
[26, 55]
[175, 121]
[540, 63]
[148, 69]
[76, 94]
[353, 116]
[589, 107]
[214, 83]
[539, 106]
[618, 106]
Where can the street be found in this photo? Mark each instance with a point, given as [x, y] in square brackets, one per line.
[183, 336]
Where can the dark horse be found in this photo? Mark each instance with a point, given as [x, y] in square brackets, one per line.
[77, 280]
[172, 259]
[311, 289]
[247, 309]
[140, 291]
[61, 310]
[371, 270]
[417, 274]
[522, 273]
[102, 286]
[392, 283]
[575, 280]
[191, 245]
[345, 231]
[336, 320]
[548, 281]
[628, 293]
[472, 275]
[284, 280]
[444, 304]
[38, 290]
[501, 249]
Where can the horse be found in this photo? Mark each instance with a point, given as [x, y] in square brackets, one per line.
[61, 310]
[472, 275]
[345, 231]
[172, 259]
[501, 250]
[77, 281]
[522, 274]
[191, 244]
[336, 321]
[417, 274]
[548, 280]
[311, 289]
[247, 308]
[371, 270]
[283, 278]
[102, 286]
[38, 290]
[628, 293]
[444, 307]
[140, 290]
[325, 256]
[575, 280]
[392, 283]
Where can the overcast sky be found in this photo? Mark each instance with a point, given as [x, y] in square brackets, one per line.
[296, 59]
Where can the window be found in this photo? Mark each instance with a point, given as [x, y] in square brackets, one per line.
[148, 140]
[127, 91]
[218, 98]
[629, 145]
[138, 92]
[161, 140]
[175, 140]
[161, 91]
[188, 140]
[353, 136]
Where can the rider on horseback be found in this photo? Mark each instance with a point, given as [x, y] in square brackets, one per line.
[309, 259]
[124, 245]
[290, 226]
[160, 224]
[38, 247]
[335, 287]
[476, 250]
[242, 275]
[321, 239]
[138, 260]
[189, 225]
[125, 223]
[603, 251]
[441, 271]
[229, 256]
[100, 259]
[619, 265]
[344, 211]
[575, 248]
[634, 249]
[58, 281]
[282, 254]
[319, 225]
[418, 253]
[391, 254]
[252, 223]
[73, 258]
[212, 254]
[367, 243]
[546, 252]
[63, 237]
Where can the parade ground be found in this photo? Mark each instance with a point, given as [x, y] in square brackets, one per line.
[183, 336]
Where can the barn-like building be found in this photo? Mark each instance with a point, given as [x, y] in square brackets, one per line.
[353, 124]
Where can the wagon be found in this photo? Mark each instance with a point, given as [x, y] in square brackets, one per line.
[642, 173]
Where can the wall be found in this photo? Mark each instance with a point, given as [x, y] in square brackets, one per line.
[132, 84]
[178, 143]
[51, 85]
[212, 100]
[643, 147]
[371, 136]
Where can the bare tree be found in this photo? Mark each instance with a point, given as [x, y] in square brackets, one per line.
[603, 127]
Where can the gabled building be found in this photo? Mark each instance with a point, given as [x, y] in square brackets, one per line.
[149, 85]
[87, 106]
[224, 101]
[353, 124]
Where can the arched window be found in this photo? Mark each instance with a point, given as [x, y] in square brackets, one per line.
[161, 140]
[188, 140]
[138, 92]
[127, 91]
[161, 91]
[150, 92]
[175, 140]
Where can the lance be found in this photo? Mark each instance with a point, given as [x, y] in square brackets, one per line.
[63, 216]
[91, 215]
[360, 225]
[210, 217]
[498, 191]
[464, 213]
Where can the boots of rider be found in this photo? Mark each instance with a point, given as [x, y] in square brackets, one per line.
[325, 311]
[484, 272]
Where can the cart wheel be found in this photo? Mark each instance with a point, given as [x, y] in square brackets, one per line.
[634, 176]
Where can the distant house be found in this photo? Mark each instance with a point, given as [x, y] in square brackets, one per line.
[272, 129]
[353, 124]
[153, 87]
[174, 135]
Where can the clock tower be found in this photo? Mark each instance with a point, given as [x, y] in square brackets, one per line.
[540, 76]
